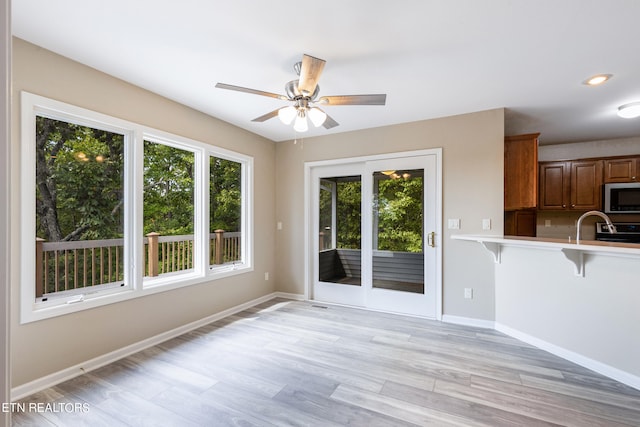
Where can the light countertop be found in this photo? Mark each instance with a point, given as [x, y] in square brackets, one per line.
[595, 246]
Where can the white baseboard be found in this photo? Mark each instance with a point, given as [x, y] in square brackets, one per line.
[468, 321]
[50, 380]
[599, 367]
[295, 297]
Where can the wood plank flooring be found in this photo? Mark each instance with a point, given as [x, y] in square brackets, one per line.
[291, 363]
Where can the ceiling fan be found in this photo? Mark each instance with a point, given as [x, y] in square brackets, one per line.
[303, 93]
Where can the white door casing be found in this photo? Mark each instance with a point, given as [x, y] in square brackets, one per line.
[425, 304]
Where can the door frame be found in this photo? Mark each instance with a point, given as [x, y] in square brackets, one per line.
[309, 250]
[5, 203]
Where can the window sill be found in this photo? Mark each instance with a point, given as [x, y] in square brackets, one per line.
[84, 301]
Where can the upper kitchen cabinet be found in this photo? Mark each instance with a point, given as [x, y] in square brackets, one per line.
[520, 172]
[624, 169]
[554, 185]
[571, 185]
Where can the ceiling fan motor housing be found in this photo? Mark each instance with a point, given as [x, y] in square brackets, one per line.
[294, 94]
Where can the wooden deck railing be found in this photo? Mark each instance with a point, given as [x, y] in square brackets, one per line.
[167, 254]
[63, 266]
[224, 247]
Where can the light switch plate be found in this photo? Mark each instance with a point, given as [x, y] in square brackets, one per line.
[454, 224]
[486, 224]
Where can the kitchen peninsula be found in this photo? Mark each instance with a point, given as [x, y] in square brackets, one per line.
[578, 301]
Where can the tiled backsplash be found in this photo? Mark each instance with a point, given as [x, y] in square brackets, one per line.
[562, 225]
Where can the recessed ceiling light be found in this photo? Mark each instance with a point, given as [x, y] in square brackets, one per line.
[629, 111]
[598, 79]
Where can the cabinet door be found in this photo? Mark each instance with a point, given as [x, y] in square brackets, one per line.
[554, 185]
[586, 185]
[520, 171]
[621, 170]
[520, 223]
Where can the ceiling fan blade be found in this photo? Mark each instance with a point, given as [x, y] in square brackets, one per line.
[267, 116]
[378, 99]
[329, 123]
[310, 74]
[253, 91]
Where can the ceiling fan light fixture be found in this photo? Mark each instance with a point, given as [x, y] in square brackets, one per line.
[287, 114]
[629, 111]
[317, 116]
[301, 124]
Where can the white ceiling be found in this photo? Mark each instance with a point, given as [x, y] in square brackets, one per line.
[432, 58]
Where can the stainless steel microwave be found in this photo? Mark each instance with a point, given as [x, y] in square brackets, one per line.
[622, 197]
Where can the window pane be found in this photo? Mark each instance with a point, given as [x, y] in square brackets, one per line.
[398, 261]
[79, 207]
[168, 209]
[399, 211]
[339, 213]
[225, 220]
[327, 188]
[348, 213]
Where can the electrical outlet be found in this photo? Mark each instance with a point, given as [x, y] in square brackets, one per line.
[454, 224]
[547, 223]
[486, 224]
[266, 276]
[468, 293]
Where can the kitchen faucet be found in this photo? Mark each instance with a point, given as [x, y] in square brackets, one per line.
[610, 226]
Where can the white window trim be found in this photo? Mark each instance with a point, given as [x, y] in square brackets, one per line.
[198, 213]
[246, 219]
[135, 283]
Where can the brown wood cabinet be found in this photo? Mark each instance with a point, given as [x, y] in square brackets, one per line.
[622, 169]
[520, 223]
[554, 185]
[521, 171]
[571, 185]
[520, 184]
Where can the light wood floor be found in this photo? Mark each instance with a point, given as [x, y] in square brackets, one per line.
[303, 364]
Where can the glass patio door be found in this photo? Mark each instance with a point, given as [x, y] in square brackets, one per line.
[401, 259]
[337, 234]
[374, 234]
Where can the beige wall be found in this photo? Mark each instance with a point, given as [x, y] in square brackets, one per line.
[45, 347]
[587, 149]
[472, 190]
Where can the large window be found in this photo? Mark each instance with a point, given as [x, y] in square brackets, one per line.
[168, 192]
[79, 208]
[225, 213]
[113, 210]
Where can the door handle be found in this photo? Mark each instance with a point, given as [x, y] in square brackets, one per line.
[431, 239]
